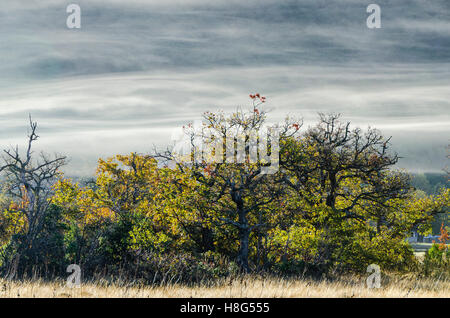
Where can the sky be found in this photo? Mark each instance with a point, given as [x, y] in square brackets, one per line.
[136, 70]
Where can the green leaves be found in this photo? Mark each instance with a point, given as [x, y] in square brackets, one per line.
[336, 201]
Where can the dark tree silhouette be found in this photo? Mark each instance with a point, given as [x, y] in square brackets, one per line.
[29, 181]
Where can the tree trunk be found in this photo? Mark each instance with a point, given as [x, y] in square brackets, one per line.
[244, 231]
[331, 198]
[244, 234]
[207, 239]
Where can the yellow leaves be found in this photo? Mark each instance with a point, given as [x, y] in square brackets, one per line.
[143, 237]
[14, 207]
[95, 215]
[131, 184]
[299, 241]
[65, 192]
[432, 203]
[12, 222]
[80, 204]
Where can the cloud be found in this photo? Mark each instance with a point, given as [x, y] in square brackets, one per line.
[90, 117]
[136, 69]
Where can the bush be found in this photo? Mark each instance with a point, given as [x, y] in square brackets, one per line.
[157, 269]
[45, 258]
[437, 261]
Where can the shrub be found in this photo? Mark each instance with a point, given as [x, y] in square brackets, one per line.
[437, 261]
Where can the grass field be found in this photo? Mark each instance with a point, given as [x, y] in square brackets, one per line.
[405, 286]
[243, 287]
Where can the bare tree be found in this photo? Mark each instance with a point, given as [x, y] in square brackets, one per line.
[29, 181]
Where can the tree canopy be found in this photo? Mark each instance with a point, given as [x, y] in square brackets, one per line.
[277, 197]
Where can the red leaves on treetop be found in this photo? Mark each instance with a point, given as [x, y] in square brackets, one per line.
[208, 170]
[443, 237]
[296, 126]
[257, 95]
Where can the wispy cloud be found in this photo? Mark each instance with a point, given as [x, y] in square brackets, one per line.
[136, 69]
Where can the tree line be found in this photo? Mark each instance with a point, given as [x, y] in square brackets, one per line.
[335, 204]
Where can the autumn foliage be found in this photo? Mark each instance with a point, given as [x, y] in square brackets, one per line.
[336, 204]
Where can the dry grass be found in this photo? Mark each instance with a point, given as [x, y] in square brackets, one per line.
[405, 286]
